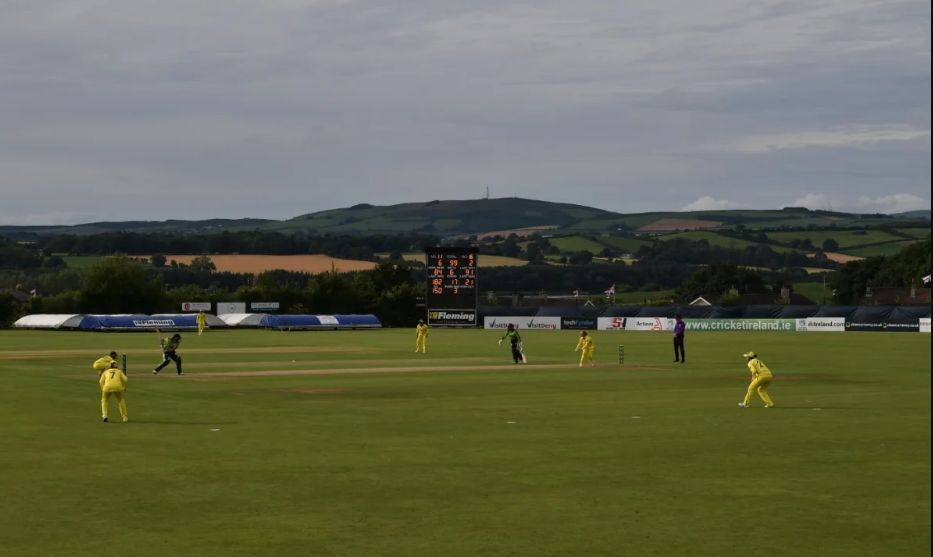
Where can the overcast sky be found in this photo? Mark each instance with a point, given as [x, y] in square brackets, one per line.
[157, 109]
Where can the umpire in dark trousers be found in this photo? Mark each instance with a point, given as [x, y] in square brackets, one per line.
[679, 328]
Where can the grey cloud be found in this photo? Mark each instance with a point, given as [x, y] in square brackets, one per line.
[259, 109]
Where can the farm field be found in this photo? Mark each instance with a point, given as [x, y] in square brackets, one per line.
[816, 291]
[595, 245]
[839, 257]
[258, 263]
[251, 263]
[80, 261]
[569, 244]
[918, 233]
[630, 245]
[844, 238]
[520, 232]
[484, 260]
[716, 239]
[887, 249]
[347, 443]
[644, 296]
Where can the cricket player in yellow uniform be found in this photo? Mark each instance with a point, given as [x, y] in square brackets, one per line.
[103, 363]
[587, 346]
[761, 378]
[421, 337]
[202, 322]
[113, 382]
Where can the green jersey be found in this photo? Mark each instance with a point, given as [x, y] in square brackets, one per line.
[513, 336]
[169, 344]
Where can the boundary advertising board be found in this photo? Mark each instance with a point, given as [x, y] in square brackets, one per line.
[231, 307]
[577, 323]
[611, 323]
[521, 322]
[452, 317]
[667, 324]
[776, 325]
[634, 324]
[822, 324]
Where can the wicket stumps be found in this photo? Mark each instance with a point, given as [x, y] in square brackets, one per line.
[621, 354]
[124, 364]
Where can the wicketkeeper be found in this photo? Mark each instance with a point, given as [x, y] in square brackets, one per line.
[103, 363]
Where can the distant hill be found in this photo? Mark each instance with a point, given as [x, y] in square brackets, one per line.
[479, 216]
[922, 214]
[446, 217]
[186, 226]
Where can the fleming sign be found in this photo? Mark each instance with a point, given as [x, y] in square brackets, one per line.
[452, 317]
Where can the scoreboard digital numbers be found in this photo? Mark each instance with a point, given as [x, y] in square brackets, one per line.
[451, 286]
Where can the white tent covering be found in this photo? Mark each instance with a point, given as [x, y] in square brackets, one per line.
[48, 321]
[242, 319]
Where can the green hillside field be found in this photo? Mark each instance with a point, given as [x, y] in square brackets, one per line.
[845, 238]
[887, 249]
[919, 233]
[570, 244]
[484, 260]
[346, 443]
[716, 239]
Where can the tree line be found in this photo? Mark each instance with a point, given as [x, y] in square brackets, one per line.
[122, 284]
[227, 242]
[903, 270]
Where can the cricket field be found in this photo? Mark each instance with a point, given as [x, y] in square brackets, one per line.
[347, 443]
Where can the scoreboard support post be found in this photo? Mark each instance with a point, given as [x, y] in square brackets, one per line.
[451, 292]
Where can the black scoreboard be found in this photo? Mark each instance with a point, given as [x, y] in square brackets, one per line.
[451, 286]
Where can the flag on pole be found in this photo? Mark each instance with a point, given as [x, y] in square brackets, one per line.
[35, 292]
[926, 279]
[576, 292]
[611, 291]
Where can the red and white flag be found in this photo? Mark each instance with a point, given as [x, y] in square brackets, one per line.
[611, 291]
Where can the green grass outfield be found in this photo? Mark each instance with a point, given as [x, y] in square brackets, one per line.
[352, 445]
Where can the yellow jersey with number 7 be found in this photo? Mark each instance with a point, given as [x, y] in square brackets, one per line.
[112, 380]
